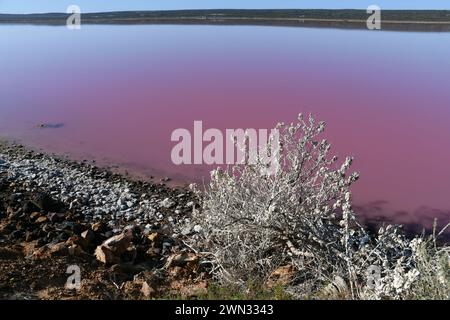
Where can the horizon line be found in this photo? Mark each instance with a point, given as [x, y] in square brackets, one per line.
[224, 9]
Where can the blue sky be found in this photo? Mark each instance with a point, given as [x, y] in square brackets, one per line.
[29, 6]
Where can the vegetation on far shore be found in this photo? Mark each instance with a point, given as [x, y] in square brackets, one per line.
[393, 19]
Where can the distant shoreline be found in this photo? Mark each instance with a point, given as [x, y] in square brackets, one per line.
[402, 20]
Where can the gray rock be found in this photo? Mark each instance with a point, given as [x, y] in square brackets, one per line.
[186, 231]
[198, 228]
[190, 204]
[167, 203]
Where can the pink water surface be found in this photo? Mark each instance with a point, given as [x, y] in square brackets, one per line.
[120, 91]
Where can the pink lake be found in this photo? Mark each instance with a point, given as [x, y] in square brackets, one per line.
[120, 91]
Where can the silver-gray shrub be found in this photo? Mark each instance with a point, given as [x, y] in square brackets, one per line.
[253, 222]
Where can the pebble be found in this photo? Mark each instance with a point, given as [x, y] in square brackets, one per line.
[198, 228]
[167, 203]
[185, 231]
[190, 204]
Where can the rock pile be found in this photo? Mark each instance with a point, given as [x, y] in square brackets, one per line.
[56, 209]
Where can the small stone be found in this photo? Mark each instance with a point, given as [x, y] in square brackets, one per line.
[42, 219]
[98, 227]
[153, 237]
[73, 240]
[34, 215]
[106, 255]
[185, 231]
[167, 203]
[147, 290]
[111, 250]
[190, 204]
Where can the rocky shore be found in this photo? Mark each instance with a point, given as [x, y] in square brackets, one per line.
[127, 237]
